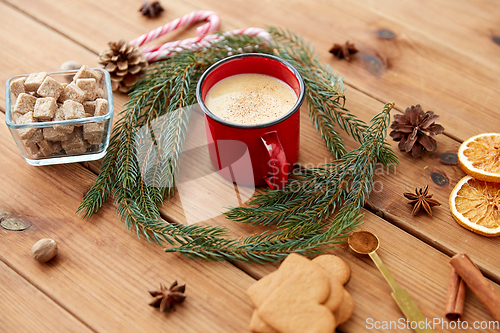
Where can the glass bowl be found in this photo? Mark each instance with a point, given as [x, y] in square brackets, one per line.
[61, 141]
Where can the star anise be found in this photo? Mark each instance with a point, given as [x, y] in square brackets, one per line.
[421, 199]
[152, 9]
[166, 299]
[415, 130]
[343, 51]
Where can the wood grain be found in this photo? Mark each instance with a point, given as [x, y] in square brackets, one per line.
[413, 68]
[465, 27]
[103, 266]
[386, 199]
[423, 271]
[409, 69]
[37, 48]
[102, 272]
[26, 309]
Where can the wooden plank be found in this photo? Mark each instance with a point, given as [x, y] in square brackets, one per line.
[102, 272]
[33, 48]
[467, 27]
[105, 267]
[410, 69]
[445, 234]
[139, 268]
[417, 267]
[93, 24]
[17, 55]
[386, 199]
[440, 230]
[26, 309]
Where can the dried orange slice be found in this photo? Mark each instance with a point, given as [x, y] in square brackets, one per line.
[475, 205]
[479, 157]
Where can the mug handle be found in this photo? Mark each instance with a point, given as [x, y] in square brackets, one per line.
[277, 161]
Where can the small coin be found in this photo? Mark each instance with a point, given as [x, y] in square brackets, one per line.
[14, 224]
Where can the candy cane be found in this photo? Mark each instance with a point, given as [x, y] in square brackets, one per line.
[202, 15]
[158, 52]
[167, 49]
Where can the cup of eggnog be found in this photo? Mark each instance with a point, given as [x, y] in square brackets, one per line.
[252, 116]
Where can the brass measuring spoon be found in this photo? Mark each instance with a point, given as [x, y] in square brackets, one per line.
[366, 242]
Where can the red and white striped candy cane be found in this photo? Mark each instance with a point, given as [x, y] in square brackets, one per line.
[201, 15]
[158, 52]
[162, 51]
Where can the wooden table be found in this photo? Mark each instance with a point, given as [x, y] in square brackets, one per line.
[440, 54]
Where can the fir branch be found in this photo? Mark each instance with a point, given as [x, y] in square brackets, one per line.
[325, 91]
[149, 137]
[315, 195]
[314, 210]
[303, 207]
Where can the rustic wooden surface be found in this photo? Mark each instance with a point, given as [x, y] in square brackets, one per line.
[443, 56]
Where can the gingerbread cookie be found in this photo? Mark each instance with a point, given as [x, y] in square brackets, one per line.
[257, 325]
[335, 266]
[302, 296]
[295, 307]
[345, 310]
[259, 291]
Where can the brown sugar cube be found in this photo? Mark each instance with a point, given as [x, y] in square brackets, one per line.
[24, 103]
[50, 88]
[32, 149]
[75, 144]
[101, 107]
[100, 93]
[17, 86]
[49, 147]
[37, 136]
[27, 133]
[72, 92]
[34, 138]
[59, 117]
[86, 72]
[92, 132]
[34, 81]
[51, 134]
[88, 86]
[77, 150]
[26, 118]
[89, 107]
[31, 142]
[14, 117]
[45, 109]
[73, 110]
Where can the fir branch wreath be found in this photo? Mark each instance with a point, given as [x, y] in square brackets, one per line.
[316, 209]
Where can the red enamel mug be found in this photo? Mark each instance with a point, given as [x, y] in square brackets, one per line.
[253, 154]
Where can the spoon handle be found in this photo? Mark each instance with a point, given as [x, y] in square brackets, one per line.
[403, 299]
[385, 272]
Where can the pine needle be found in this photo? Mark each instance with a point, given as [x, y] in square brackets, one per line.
[314, 211]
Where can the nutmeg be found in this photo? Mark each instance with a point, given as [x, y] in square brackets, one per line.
[44, 250]
[68, 66]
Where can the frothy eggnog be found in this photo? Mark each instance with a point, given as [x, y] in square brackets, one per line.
[250, 99]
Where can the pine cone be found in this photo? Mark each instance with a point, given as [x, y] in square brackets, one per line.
[415, 130]
[124, 62]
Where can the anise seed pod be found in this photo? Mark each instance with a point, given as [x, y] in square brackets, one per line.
[165, 298]
[343, 51]
[152, 9]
